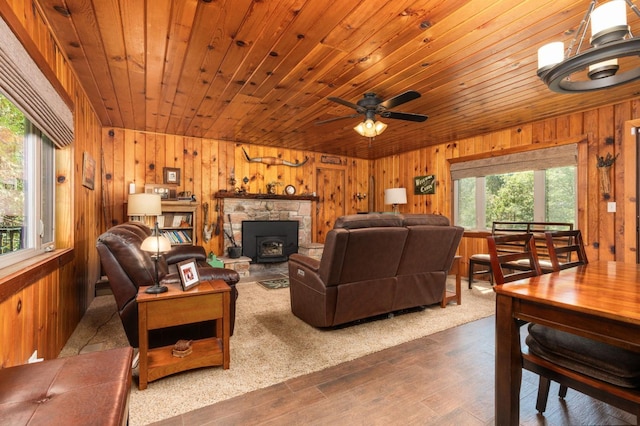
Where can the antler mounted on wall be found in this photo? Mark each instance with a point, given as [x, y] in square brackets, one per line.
[273, 160]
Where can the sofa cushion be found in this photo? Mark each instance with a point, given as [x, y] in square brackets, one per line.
[590, 357]
[355, 221]
[425, 219]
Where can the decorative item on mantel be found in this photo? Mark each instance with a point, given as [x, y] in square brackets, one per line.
[271, 187]
[604, 167]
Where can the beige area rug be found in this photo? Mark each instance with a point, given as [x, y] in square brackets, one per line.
[270, 345]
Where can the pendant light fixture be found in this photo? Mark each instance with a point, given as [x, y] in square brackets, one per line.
[611, 39]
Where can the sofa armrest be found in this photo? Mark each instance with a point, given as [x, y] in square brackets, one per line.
[181, 253]
[306, 261]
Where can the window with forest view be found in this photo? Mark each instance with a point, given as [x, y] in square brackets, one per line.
[27, 160]
[541, 195]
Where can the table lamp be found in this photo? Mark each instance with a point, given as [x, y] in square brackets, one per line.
[143, 205]
[156, 244]
[395, 196]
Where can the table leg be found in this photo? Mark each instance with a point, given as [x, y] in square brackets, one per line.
[143, 347]
[508, 369]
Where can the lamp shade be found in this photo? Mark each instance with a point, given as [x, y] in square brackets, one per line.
[144, 205]
[370, 128]
[395, 196]
[156, 244]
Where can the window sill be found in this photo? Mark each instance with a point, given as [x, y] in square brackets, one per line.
[14, 278]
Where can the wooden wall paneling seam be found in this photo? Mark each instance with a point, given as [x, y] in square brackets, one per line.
[621, 113]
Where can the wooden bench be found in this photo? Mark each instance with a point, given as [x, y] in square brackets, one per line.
[508, 227]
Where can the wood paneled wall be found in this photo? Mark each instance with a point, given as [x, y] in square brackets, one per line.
[206, 166]
[606, 234]
[48, 303]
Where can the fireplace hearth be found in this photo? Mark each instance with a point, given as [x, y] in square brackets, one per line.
[269, 241]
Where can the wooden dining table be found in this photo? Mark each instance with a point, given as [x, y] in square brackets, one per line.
[600, 300]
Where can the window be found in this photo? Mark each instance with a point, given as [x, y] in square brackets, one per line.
[30, 108]
[530, 186]
[27, 161]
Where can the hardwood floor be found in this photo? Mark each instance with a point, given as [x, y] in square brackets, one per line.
[444, 379]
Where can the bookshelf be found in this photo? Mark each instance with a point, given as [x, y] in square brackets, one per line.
[178, 222]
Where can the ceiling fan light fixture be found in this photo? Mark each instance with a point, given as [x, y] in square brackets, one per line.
[611, 39]
[370, 128]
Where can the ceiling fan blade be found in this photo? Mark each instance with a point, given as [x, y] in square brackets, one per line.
[404, 116]
[400, 99]
[329, 120]
[347, 103]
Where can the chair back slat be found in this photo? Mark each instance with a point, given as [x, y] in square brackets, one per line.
[513, 257]
[566, 249]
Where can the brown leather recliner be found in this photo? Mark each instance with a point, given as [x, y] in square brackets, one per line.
[373, 264]
[128, 267]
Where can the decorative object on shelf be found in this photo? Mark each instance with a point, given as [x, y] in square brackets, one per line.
[360, 196]
[604, 168]
[235, 251]
[156, 244]
[611, 38]
[188, 273]
[424, 185]
[171, 175]
[395, 196]
[290, 190]
[273, 160]
[182, 348]
[271, 187]
[88, 170]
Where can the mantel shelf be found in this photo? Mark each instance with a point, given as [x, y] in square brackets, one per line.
[230, 194]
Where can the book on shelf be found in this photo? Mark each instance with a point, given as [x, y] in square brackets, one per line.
[177, 220]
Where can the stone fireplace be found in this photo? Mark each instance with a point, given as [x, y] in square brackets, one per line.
[239, 208]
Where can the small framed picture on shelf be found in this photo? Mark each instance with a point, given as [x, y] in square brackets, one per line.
[188, 274]
[171, 175]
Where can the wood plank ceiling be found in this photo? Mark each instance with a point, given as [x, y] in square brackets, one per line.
[260, 71]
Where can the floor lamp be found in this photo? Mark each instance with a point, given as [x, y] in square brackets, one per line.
[395, 196]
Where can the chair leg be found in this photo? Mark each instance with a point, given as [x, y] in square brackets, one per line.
[563, 391]
[543, 394]
[471, 265]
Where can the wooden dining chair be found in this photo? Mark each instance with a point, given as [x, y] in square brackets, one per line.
[566, 249]
[513, 257]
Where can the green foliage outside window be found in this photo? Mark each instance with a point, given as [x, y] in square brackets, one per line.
[12, 188]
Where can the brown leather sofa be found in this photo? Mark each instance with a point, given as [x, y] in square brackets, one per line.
[128, 267]
[373, 264]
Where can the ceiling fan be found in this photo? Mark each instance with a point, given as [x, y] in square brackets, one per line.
[371, 105]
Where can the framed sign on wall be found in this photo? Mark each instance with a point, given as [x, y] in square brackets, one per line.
[424, 185]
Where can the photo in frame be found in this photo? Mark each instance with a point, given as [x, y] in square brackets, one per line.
[171, 175]
[188, 273]
[88, 170]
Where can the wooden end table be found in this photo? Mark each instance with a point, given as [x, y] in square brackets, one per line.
[448, 295]
[209, 300]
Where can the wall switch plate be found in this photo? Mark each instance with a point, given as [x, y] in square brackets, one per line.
[611, 207]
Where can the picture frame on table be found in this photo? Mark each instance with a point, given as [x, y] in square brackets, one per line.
[171, 175]
[188, 271]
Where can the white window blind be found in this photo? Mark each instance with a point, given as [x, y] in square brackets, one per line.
[26, 86]
[540, 159]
